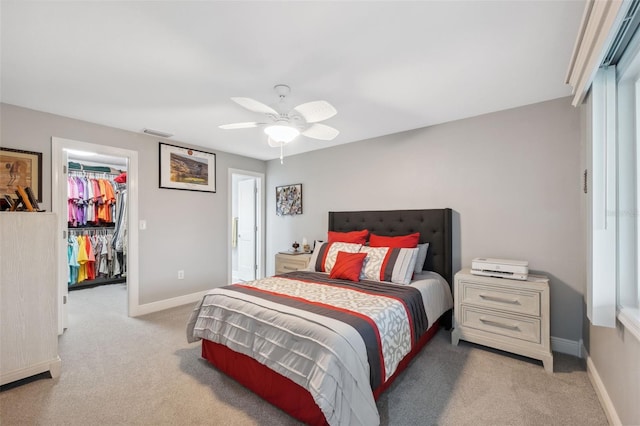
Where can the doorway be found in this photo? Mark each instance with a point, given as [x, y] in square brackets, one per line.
[62, 151]
[246, 225]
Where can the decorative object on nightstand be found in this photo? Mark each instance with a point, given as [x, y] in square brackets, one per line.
[500, 268]
[289, 262]
[510, 315]
[295, 246]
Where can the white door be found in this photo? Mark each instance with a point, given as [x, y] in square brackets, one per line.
[247, 229]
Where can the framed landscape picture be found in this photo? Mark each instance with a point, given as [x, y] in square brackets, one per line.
[289, 199]
[20, 168]
[186, 168]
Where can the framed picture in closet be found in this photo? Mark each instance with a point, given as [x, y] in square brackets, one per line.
[20, 168]
[186, 168]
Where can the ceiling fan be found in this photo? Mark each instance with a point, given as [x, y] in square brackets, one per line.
[283, 124]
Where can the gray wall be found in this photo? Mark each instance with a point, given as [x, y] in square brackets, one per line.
[513, 177]
[185, 229]
[615, 353]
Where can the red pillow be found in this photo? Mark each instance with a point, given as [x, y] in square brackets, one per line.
[348, 266]
[355, 237]
[401, 241]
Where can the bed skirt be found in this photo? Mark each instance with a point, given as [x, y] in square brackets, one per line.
[281, 391]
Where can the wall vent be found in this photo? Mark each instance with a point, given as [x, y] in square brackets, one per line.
[157, 133]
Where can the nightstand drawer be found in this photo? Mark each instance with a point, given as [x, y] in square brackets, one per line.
[505, 299]
[289, 262]
[290, 266]
[513, 326]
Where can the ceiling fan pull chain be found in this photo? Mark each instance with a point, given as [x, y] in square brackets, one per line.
[281, 153]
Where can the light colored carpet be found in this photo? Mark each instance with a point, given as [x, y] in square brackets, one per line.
[141, 371]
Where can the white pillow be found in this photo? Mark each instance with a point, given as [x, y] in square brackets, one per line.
[394, 265]
[324, 256]
[422, 256]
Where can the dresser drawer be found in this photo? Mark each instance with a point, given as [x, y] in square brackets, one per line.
[502, 298]
[514, 326]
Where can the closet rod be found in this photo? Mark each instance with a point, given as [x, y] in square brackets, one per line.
[89, 172]
[90, 228]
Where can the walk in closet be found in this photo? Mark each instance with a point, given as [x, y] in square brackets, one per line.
[97, 221]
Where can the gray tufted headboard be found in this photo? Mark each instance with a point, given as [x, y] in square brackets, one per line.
[434, 226]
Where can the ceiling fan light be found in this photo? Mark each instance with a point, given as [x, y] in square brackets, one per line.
[280, 133]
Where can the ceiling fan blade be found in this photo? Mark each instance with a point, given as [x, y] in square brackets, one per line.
[316, 111]
[255, 106]
[245, 125]
[321, 131]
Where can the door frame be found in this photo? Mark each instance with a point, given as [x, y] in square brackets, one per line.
[260, 220]
[59, 206]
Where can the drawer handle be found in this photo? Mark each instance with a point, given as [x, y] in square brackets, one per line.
[500, 299]
[500, 324]
[289, 268]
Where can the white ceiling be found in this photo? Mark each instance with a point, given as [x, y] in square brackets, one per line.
[387, 67]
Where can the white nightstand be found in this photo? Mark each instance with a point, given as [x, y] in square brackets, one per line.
[505, 314]
[286, 262]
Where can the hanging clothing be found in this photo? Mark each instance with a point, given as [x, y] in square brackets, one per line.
[99, 201]
[120, 236]
[83, 258]
[92, 255]
[91, 201]
[72, 253]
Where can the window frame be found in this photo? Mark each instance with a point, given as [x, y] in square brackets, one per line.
[628, 188]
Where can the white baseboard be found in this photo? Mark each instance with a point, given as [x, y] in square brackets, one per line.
[161, 305]
[566, 346]
[601, 391]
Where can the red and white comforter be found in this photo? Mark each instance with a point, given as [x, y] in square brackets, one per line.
[338, 339]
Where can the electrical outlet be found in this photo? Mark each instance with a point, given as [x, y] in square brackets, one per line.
[181, 274]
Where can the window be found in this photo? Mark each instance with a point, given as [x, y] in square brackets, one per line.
[602, 272]
[606, 60]
[628, 191]
[614, 290]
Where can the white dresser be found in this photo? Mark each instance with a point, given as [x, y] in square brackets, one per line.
[286, 262]
[28, 295]
[505, 314]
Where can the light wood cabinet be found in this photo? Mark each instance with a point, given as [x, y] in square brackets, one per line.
[28, 295]
[291, 262]
[505, 314]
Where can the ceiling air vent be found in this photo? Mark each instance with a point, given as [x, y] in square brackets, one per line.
[157, 133]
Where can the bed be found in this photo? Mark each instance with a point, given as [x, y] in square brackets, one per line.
[323, 346]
